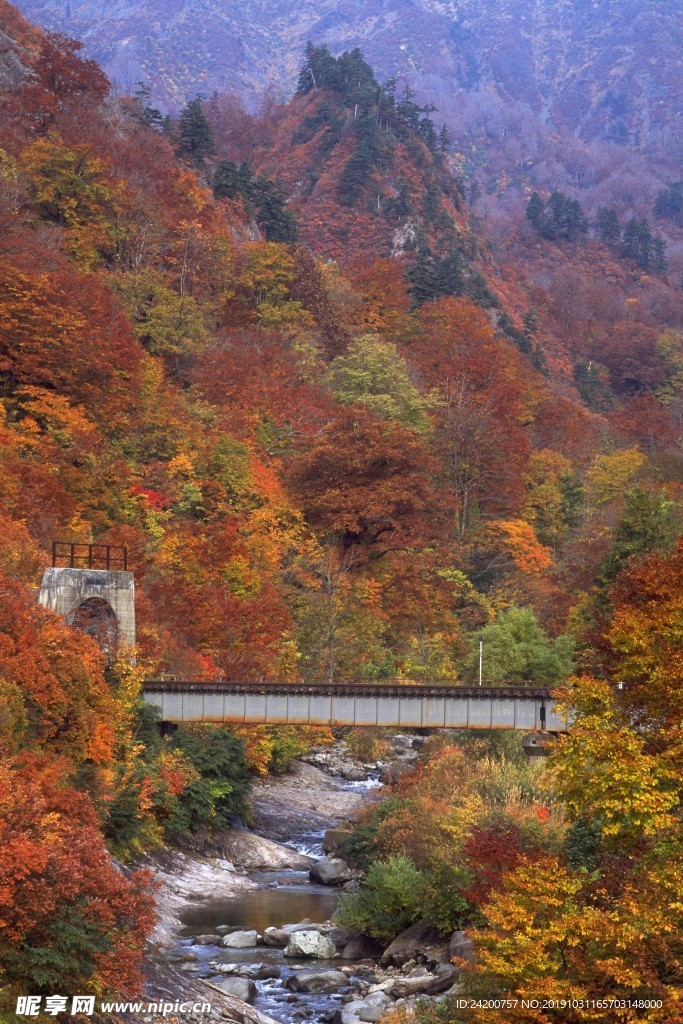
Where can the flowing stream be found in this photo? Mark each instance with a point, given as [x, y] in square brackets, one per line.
[283, 897]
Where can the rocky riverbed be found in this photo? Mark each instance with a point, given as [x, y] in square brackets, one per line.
[250, 926]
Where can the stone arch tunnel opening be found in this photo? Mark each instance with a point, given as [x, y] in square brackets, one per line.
[97, 618]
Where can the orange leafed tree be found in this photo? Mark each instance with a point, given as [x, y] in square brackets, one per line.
[69, 919]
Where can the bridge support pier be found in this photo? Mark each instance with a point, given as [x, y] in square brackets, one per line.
[99, 601]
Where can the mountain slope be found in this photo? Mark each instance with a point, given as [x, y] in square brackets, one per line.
[599, 69]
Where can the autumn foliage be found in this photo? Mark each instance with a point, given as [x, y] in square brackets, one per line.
[68, 916]
[342, 456]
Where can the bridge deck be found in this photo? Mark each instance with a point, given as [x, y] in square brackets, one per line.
[528, 708]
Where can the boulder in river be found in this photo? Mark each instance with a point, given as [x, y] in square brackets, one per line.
[266, 971]
[370, 1014]
[429, 985]
[310, 944]
[174, 956]
[242, 988]
[421, 938]
[334, 838]
[240, 940]
[251, 852]
[317, 981]
[342, 936]
[330, 871]
[276, 937]
[352, 1011]
[207, 940]
[359, 947]
[373, 1007]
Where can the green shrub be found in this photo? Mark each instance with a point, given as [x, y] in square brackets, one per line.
[288, 744]
[390, 899]
[222, 791]
[445, 906]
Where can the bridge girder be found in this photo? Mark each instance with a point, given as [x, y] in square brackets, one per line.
[409, 706]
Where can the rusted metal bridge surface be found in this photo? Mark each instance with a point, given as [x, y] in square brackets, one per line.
[402, 705]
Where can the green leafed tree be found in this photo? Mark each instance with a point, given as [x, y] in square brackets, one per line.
[649, 522]
[166, 322]
[374, 373]
[223, 787]
[517, 650]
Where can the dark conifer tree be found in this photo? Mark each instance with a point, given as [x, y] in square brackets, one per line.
[669, 202]
[194, 131]
[560, 218]
[431, 204]
[319, 71]
[228, 182]
[639, 244]
[424, 285]
[275, 220]
[535, 212]
[265, 200]
[659, 260]
[607, 224]
[149, 115]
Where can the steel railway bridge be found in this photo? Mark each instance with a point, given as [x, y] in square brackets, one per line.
[397, 705]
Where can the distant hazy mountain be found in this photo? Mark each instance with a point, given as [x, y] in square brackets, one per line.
[601, 69]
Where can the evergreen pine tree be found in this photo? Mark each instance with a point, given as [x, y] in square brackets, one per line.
[423, 278]
[194, 132]
[535, 212]
[561, 218]
[530, 322]
[320, 70]
[148, 115]
[474, 192]
[430, 208]
[669, 202]
[228, 182]
[357, 170]
[450, 273]
[608, 227]
[427, 133]
[593, 384]
[400, 205]
[638, 243]
[275, 220]
[659, 260]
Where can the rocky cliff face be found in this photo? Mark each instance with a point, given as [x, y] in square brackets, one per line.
[600, 69]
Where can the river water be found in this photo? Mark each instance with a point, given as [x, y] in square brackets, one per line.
[283, 897]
